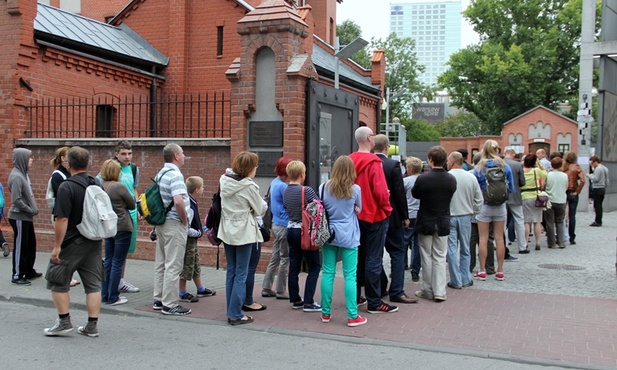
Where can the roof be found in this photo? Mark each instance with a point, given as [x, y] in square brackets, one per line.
[323, 59]
[79, 33]
[545, 108]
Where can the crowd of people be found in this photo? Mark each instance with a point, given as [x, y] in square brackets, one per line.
[373, 205]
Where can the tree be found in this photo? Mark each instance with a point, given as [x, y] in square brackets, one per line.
[462, 124]
[420, 130]
[347, 32]
[527, 56]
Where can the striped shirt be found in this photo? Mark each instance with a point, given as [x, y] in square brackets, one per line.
[292, 199]
[170, 185]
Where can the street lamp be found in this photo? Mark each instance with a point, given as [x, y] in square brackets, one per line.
[345, 53]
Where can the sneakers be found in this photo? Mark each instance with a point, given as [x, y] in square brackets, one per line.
[297, 305]
[5, 249]
[157, 305]
[383, 308]
[510, 258]
[357, 321]
[62, 326]
[312, 308]
[121, 300]
[361, 301]
[424, 295]
[21, 281]
[325, 318]
[480, 275]
[415, 277]
[88, 330]
[33, 275]
[206, 293]
[188, 297]
[178, 311]
[128, 288]
[499, 276]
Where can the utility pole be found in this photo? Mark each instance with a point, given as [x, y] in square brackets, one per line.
[585, 86]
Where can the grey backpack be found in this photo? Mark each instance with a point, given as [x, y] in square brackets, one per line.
[495, 192]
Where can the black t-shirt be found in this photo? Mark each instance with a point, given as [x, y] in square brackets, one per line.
[70, 203]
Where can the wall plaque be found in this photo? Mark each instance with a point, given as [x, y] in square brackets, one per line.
[267, 162]
[266, 133]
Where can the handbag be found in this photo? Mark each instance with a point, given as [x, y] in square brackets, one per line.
[542, 198]
[265, 232]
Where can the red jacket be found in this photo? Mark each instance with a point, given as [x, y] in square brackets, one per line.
[371, 179]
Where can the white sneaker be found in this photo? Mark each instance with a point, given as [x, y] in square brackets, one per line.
[5, 249]
[128, 288]
[121, 300]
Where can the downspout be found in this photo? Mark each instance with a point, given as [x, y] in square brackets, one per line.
[153, 106]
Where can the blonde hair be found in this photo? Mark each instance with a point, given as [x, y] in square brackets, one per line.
[58, 154]
[193, 183]
[490, 151]
[110, 170]
[413, 164]
[342, 178]
[295, 169]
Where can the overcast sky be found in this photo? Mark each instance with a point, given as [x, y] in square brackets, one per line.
[376, 21]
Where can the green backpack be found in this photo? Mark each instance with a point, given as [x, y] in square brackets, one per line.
[150, 204]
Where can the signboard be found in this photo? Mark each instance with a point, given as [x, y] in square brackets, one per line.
[267, 162]
[266, 133]
[430, 112]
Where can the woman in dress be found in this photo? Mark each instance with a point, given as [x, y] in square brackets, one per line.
[238, 229]
[116, 248]
[535, 178]
[342, 200]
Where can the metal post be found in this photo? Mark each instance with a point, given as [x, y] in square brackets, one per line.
[337, 48]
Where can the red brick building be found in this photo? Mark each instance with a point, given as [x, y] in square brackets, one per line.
[538, 128]
[217, 76]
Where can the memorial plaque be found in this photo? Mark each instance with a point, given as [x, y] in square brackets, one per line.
[266, 133]
[267, 162]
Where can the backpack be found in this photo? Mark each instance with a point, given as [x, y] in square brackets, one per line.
[50, 197]
[315, 231]
[98, 220]
[213, 219]
[1, 201]
[495, 192]
[150, 204]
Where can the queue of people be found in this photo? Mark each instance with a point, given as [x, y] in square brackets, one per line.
[372, 206]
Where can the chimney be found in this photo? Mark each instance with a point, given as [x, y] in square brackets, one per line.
[324, 14]
[378, 68]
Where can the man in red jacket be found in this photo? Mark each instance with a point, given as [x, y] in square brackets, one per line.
[373, 220]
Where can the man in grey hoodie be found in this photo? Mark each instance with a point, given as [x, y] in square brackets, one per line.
[22, 211]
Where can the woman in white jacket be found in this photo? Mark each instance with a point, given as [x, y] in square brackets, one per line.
[240, 203]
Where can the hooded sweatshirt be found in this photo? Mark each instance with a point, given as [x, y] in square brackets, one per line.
[372, 181]
[240, 204]
[23, 205]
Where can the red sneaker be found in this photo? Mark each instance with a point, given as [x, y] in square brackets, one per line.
[499, 276]
[357, 321]
[325, 318]
[480, 275]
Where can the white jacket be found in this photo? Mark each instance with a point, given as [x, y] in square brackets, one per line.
[240, 203]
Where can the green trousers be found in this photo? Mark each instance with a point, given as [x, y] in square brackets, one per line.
[349, 257]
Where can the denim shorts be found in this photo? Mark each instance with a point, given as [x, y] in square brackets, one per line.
[492, 213]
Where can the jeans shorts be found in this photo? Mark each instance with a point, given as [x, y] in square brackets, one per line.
[492, 213]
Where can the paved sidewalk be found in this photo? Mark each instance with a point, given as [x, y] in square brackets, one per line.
[565, 316]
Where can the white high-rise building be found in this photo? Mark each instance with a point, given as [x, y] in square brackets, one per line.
[435, 25]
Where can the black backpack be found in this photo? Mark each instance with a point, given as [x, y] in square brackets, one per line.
[495, 192]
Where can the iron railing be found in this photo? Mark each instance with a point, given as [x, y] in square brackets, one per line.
[188, 116]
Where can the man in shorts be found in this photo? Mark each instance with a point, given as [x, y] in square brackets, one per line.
[73, 252]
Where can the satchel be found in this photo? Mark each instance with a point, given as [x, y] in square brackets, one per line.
[265, 232]
[541, 200]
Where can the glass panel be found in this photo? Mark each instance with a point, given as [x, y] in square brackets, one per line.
[325, 146]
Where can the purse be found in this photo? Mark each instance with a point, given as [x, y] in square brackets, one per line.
[542, 198]
[265, 232]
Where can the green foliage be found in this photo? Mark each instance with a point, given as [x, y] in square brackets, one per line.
[527, 56]
[462, 124]
[420, 130]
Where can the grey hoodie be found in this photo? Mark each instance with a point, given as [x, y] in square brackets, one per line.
[23, 205]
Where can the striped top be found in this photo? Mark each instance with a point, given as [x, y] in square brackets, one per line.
[170, 185]
[292, 199]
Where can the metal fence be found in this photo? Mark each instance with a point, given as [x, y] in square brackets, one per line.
[188, 116]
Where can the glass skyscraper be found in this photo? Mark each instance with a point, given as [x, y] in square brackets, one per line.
[436, 27]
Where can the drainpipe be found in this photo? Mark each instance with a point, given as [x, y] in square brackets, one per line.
[153, 106]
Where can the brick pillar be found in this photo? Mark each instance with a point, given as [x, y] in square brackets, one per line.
[276, 25]
[178, 15]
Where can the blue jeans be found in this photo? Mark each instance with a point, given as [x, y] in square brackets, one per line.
[250, 278]
[458, 250]
[370, 260]
[411, 241]
[238, 258]
[396, 248]
[572, 200]
[313, 259]
[116, 250]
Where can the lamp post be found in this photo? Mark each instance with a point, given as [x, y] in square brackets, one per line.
[345, 53]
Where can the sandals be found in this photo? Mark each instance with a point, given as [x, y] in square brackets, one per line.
[241, 321]
[260, 307]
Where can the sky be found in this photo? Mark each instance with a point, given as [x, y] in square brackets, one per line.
[376, 22]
